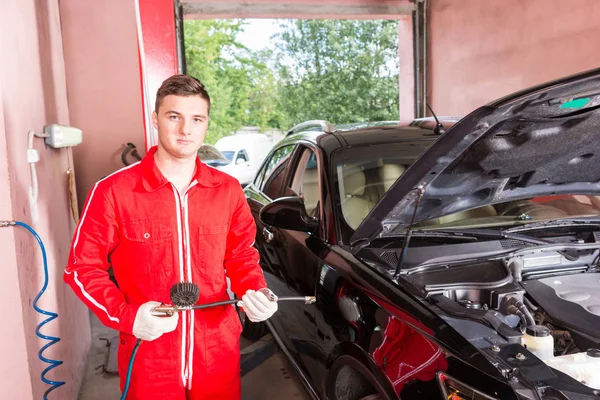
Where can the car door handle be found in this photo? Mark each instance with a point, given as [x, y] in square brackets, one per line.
[268, 235]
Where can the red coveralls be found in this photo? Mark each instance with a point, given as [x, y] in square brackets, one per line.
[155, 237]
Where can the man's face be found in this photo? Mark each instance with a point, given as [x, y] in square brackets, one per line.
[181, 122]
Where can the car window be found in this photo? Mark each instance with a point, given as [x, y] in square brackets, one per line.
[270, 178]
[242, 156]
[305, 181]
[363, 174]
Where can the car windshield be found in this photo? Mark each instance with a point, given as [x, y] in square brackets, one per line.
[228, 155]
[364, 174]
[211, 156]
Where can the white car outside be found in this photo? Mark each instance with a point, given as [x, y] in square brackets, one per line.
[244, 153]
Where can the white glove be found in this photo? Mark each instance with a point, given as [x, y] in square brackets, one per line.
[257, 306]
[149, 327]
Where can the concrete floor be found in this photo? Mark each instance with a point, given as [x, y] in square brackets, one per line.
[273, 379]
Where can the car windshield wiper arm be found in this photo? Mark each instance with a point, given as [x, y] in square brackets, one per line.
[594, 220]
[492, 235]
[483, 234]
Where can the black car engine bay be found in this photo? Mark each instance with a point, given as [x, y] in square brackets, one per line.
[545, 298]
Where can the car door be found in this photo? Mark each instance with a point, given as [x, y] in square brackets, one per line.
[301, 263]
[268, 186]
[290, 259]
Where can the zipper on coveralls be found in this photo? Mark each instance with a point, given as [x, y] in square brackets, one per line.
[187, 338]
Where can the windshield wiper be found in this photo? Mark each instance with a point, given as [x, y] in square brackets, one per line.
[581, 221]
[490, 234]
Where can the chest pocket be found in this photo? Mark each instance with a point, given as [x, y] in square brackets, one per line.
[213, 239]
[149, 248]
[213, 243]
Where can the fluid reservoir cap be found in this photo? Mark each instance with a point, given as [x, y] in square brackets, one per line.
[537, 331]
[594, 353]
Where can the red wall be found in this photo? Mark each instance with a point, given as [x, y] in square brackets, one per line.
[482, 50]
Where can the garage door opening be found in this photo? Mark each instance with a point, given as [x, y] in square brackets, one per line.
[268, 75]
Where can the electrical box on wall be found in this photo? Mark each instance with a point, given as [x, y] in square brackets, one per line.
[62, 136]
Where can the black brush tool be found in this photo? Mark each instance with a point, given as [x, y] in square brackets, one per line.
[184, 296]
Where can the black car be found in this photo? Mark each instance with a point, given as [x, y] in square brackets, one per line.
[449, 260]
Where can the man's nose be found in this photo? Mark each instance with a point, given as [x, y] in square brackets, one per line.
[185, 127]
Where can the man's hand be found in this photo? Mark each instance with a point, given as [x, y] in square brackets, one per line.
[257, 306]
[148, 327]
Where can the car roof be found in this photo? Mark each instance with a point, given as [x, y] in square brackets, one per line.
[358, 135]
[368, 133]
[381, 135]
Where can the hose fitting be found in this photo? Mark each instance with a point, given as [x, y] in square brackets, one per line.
[514, 303]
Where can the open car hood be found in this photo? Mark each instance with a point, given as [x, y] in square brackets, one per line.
[540, 141]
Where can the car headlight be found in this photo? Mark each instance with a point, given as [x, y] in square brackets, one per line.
[453, 389]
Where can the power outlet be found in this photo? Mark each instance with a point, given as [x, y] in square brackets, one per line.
[62, 136]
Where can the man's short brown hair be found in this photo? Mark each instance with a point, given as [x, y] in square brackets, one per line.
[181, 85]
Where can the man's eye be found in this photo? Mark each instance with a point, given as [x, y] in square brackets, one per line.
[197, 120]
[173, 117]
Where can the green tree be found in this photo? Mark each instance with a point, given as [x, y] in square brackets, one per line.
[242, 88]
[264, 106]
[339, 70]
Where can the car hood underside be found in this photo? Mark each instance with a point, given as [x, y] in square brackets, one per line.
[542, 141]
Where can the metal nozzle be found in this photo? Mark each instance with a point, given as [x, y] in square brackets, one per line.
[165, 311]
[4, 224]
[305, 299]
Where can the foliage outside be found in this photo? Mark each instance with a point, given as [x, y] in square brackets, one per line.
[338, 70]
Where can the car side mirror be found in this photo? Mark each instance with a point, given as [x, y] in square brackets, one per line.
[288, 213]
[240, 161]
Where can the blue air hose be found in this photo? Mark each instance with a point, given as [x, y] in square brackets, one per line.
[129, 368]
[51, 316]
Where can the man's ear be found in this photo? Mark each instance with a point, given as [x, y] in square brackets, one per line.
[155, 120]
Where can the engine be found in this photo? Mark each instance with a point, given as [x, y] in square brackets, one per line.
[550, 306]
[567, 312]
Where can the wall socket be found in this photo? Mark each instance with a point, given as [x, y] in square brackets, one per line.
[62, 136]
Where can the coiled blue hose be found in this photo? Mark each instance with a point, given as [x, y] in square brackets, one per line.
[51, 316]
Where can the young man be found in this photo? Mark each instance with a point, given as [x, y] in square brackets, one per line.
[168, 219]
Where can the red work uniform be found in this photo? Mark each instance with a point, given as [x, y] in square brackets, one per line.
[154, 237]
